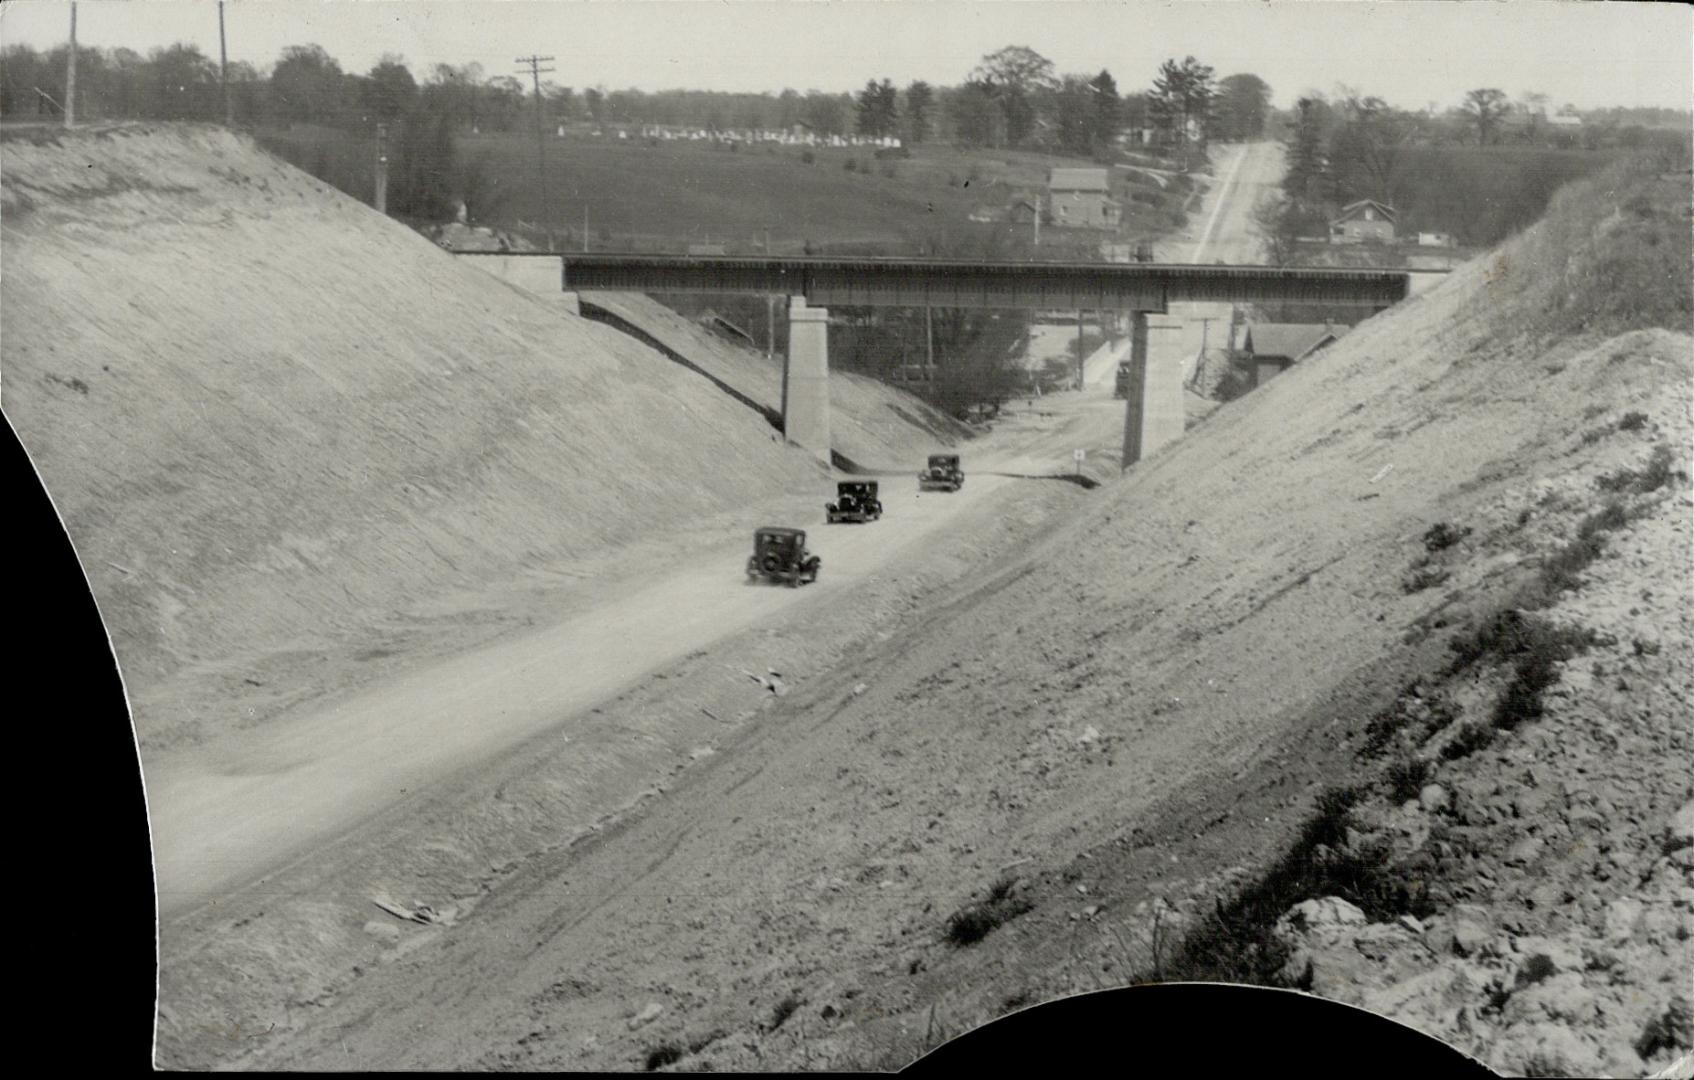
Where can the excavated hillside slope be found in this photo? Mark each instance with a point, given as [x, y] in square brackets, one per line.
[873, 426]
[270, 416]
[1136, 717]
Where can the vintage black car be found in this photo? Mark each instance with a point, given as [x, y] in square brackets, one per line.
[855, 500]
[780, 555]
[943, 474]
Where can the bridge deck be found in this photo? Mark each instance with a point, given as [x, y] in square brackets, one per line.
[957, 283]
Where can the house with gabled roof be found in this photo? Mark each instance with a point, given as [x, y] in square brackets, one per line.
[1082, 197]
[1273, 348]
[1364, 222]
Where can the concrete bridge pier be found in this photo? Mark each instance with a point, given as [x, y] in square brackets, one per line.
[1135, 407]
[1154, 412]
[805, 378]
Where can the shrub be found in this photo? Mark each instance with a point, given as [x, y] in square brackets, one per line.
[1407, 776]
[1632, 421]
[1470, 738]
[1234, 944]
[784, 1009]
[850, 165]
[807, 157]
[1442, 535]
[972, 923]
[660, 1056]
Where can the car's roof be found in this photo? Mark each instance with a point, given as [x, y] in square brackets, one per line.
[780, 530]
[943, 457]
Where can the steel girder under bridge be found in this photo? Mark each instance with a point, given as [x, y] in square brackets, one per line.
[1149, 287]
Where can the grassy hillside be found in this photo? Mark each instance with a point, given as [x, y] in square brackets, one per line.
[646, 196]
[271, 418]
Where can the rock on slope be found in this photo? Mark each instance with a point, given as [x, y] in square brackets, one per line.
[873, 426]
[269, 416]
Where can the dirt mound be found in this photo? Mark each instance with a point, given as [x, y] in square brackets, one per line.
[873, 426]
[272, 418]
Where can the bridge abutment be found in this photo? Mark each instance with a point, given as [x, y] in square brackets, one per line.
[805, 378]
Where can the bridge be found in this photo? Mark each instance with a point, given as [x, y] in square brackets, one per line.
[814, 284]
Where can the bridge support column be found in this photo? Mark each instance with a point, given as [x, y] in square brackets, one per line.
[1135, 408]
[805, 378]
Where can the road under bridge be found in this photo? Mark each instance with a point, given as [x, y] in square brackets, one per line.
[814, 284]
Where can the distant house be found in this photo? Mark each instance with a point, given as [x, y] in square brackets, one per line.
[1083, 198]
[1565, 120]
[1366, 221]
[1275, 347]
[985, 213]
[1435, 239]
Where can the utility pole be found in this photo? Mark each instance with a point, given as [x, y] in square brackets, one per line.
[929, 344]
[223, 68]
[382, 168]
[70, 75]
[1080, 371]
[1038, 219]
[535, 72]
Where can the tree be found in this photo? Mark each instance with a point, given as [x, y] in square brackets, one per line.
[920, 98]
[561, 101]
[977, 121]
[181, 84]
[1484, 107]
[390, 90]
[503, 105]
[1074, 103]
[1367, 151]
[595, 99]
[425, 171]
[306, 85]
[1280, 222]
[878, 113]
[455, 93]
[1243, 101]
[1016, 77]
[827, 113]
[1182, 99]
[1308, 164]
[1107, 118]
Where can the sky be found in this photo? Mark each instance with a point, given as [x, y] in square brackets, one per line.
[1412, 53]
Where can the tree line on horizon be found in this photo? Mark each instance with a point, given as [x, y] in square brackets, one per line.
[1479, 171]
[1013, 98]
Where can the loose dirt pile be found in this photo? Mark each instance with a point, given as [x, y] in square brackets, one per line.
[267, 414]
[873, 426]
[1432, 581]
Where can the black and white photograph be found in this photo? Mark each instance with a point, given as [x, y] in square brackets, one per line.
[789, 536]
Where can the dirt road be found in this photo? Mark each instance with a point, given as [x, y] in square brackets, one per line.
[229, 813]
[1224, 233]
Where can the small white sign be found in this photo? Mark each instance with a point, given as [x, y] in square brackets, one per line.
[1079, 454]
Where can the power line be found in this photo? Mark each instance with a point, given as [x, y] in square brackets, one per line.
[535, 72]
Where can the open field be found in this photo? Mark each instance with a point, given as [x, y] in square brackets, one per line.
[640, 196]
